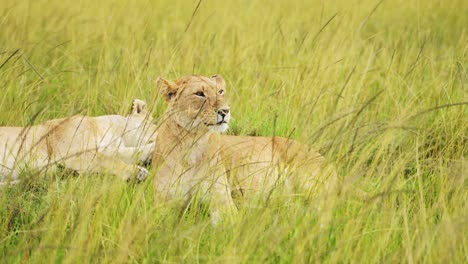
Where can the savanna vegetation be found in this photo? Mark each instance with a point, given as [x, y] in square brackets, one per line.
[379, 87]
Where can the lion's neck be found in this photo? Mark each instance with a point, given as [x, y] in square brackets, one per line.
[179, 144]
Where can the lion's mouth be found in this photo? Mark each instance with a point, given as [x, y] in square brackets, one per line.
[217, 124]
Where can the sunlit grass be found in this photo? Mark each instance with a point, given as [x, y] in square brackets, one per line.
[378, 87]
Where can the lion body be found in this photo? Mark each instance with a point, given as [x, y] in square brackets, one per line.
[112, 144]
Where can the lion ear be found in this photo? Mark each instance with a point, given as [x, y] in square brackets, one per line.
[138, 106]
[167, 88]
[219, 81]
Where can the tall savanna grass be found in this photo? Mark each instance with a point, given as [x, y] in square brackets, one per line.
[379, 87]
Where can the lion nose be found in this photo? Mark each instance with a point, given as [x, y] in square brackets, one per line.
[223, 112]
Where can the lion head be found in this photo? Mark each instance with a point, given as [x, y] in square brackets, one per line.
[197, 102]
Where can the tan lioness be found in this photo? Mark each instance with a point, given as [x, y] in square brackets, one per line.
[194, 158]
[112, 144]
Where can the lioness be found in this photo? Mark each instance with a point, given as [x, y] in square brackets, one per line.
[192, 157]
[111, 143]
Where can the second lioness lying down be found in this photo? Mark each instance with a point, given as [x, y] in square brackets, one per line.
[193, 158]
[112, 144]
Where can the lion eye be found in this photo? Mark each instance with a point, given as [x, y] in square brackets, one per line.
[200, 93]
[221, 92]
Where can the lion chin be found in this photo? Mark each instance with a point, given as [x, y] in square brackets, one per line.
[221, 128]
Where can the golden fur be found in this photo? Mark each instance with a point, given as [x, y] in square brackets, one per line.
[112, 144]
[193, 158]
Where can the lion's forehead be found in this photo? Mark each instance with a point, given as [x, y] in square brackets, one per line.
[195, 86]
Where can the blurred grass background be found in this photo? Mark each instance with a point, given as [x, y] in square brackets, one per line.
[378, 86]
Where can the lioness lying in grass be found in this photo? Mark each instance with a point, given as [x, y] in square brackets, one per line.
[112, 144]
[194, 159]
